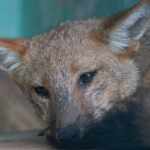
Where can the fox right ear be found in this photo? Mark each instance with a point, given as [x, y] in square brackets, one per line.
[126, 29]
[12, 53]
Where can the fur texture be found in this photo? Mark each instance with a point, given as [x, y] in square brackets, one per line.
[62, 62]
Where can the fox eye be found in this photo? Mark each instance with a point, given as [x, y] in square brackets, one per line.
[86, 78]
[41, 91]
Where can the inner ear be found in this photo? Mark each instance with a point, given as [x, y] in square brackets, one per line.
[124, 31]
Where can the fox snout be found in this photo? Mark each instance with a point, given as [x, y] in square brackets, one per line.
[116, 127]
[70, 134]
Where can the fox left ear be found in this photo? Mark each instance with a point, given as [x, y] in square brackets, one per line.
[126, 30]
[12, 53]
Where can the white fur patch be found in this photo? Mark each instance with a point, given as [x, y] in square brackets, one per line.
[130, 79]
[119, 40]
[9, 60]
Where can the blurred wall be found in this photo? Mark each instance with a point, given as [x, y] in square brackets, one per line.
[25, 18]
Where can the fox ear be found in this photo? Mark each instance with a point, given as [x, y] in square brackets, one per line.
[12, 53]
[126, 30]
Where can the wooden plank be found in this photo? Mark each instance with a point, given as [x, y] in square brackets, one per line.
[23, 141]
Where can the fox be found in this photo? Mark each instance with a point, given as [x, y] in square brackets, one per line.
[88, 80]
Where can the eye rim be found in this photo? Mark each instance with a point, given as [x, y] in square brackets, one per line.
[41, 91]
[86, 78]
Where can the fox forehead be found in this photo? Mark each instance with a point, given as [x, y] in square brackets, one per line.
[69, 50]
[67, 36]
[68, 43]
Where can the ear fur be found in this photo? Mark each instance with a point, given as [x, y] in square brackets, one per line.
[11, 54]
[126, 30]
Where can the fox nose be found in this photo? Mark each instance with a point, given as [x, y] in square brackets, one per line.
[68, 135]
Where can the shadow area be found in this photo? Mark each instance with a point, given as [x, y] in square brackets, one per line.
[117, 131]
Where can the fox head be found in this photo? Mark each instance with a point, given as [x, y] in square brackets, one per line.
[77, 73]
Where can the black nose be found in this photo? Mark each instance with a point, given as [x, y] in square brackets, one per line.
[68, 135]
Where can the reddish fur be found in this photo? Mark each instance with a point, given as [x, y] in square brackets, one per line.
[73, 68]
[15, 45]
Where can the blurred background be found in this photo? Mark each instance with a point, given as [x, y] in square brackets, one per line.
[27, 18]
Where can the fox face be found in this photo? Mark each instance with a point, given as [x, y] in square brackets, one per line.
[78, 73]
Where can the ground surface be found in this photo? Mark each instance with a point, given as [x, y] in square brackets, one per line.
[23, 141]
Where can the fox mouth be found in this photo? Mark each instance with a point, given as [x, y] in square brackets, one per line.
[116, 130]
[110, 137]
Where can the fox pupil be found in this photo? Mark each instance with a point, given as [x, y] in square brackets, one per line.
[41, 91]
[86, 78]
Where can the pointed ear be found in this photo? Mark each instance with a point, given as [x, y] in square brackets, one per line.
[12, 53]
[125, 30]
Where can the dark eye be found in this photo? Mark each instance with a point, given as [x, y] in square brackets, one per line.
[86, 78]
[41, 91]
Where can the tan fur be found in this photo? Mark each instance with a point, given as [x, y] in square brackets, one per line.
[57, 59]
[147, 79]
